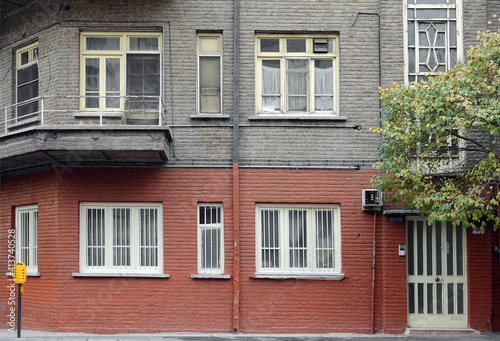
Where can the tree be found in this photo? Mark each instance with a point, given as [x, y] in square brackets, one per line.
[441, 153]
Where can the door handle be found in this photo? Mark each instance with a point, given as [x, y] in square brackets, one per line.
[437, 279]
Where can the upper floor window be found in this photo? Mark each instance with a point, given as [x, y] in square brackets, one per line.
[210, 239]
[209, 53]
[298, 239]
[121, 72]
[297, 74]
[27, 81]
[433, 37]
[121, 238]
[27, 237]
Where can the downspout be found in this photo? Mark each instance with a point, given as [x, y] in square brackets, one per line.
[236, 178]
[373, 275]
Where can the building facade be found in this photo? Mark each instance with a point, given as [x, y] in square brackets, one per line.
[200, 166]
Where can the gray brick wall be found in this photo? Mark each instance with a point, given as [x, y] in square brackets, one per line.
[286, 143]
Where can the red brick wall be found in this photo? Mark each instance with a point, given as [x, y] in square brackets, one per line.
[58, 301]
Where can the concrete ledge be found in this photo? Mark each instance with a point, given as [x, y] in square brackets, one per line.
[441, 331]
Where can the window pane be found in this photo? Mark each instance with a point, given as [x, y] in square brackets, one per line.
[143, 44]
[112, 82]
[149, 237]
[121, 237]
[143, 81]
[270, 238]
[27, 74]
[271, 85]
[92, 74]
[269, 45]
[210, 84]
[95, 237]
[210, 248]
[297, 77]
[323, 85]
[24, 58]
[103, 43]
[296, 45]
[324, 240]
[297, 235]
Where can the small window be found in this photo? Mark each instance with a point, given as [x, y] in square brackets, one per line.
[302, 239]
[297, 75]
[210, 239]
[209, 52]
[27, 82]
[121, 238]
[27, 237]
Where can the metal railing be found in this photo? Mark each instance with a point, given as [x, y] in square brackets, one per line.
[54, 110]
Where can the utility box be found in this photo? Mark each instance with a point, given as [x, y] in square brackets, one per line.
[372, 200]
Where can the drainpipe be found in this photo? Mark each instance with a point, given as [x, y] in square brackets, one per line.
[373, 275]
[236, 178]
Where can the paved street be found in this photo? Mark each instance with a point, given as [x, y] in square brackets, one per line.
[39, 335]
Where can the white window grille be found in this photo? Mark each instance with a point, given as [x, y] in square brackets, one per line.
[298, 239]
[433, 37]
[121, 238]
[27, 237]
[210, 239]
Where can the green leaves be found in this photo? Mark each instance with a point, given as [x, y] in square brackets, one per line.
[441, 153]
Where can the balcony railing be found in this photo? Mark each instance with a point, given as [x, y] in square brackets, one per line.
[66, 110]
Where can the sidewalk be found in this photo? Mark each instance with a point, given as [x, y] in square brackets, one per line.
[5, 335]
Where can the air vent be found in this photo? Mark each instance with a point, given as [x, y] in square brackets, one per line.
[372, 200]
[320, 45]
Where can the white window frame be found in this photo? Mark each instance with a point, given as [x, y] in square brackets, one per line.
[285, 270]
[201, 53]
[135, 267]
[409, 5]
[214, 226]
[121, 54]
[308, 55]
[27, 242]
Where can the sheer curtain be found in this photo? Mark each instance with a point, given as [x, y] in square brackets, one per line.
[271, 85]
[323, 85]
[297, 84]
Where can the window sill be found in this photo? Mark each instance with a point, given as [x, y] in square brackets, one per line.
[305, 117]
[29, 274]
[282, 275]
[93, 274]
[210, 276]
[209, 116]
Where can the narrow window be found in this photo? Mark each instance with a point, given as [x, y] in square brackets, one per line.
[209, 52]
[210, 239]
[27, 82]
[27, 237]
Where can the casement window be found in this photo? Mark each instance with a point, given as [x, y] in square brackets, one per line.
[433, 37]
[210, 239]
[27, 81]
[302, 239]
[121, 238]
[209, 53]
[27, 237]
[121, 72]
[297, 74]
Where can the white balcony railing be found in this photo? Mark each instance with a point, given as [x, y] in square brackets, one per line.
[65, 110]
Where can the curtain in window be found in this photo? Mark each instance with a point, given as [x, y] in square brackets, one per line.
[270, 238]
[121, 237]
[271, 85]
[324, 240]
[323, 85]
[95, 237]
[103, 43]
[210, 85]
[143, 44]
[297, 84]
[149, 237]
[297, 235]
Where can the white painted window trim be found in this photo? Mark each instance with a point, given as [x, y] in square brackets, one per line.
[285, 271]
[135, 268]
[282, 56]
[459, 21]
[204, 272]
[32, 213]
